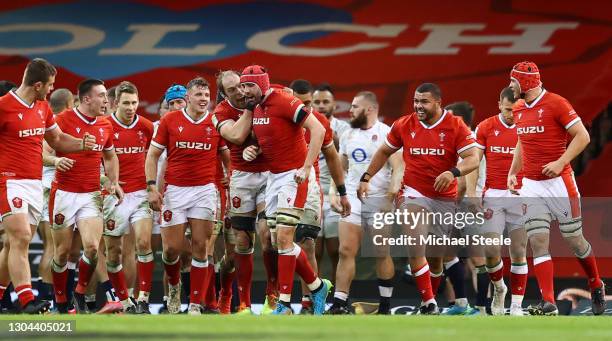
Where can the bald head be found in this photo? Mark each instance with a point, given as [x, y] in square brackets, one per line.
[60, 100]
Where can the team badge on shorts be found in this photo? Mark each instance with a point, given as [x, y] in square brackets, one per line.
[236, 202]
[488, 214]
[524, 209]
[167, 215]
[59, 219]
[17, 202]
[110, 225]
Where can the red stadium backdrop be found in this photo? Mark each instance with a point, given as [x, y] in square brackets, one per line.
[389, 47]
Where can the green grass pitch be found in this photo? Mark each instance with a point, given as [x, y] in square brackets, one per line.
[293, 328]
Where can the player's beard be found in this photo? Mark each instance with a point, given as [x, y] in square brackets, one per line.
[359, 120]
[425, 115]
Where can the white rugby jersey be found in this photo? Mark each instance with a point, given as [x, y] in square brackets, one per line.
[359, 146]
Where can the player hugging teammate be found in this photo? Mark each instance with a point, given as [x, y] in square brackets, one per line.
[256, 155]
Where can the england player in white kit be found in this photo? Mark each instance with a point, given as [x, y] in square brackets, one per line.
[357, 146]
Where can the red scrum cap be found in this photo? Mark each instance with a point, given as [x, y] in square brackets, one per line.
[527, 76]
[257, 75]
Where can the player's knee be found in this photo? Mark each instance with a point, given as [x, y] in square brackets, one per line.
[113, 252]
[60, 258]
[347, 251]
[198, 244]
[143, 245]
[173, 252]
[90, 250]
[20, 239]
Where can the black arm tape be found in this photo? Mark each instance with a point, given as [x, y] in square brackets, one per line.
[341, 190]
[302, 114]
[261, 215]
[363, 177]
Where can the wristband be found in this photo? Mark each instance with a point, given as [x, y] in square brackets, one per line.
[151, 183]
[341, 190]
[363, 177]
[456, 172]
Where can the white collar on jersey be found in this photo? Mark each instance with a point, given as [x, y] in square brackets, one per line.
[20, 100]
[265, 97]
[130, 126]
[536, 100]
[437, 122]
[82, 117]
[184, 111]
[501, 119]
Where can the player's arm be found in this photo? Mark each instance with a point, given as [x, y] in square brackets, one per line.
[337, 174]
[515, 168]
[580, 139]
[224, 153]
[62, 164]
[379, 159]
[396, 161]
[317, 132]
[155, 198]
[111, 165]
[64, 143]
[471, 179]
[236, 132]
[468, 164]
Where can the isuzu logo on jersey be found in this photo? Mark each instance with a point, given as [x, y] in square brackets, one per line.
[32, 132]
[530, 130]
[427, 151]
[193, 145]
[129, 150]
[97, 148]
[261, 121]
[502, 150]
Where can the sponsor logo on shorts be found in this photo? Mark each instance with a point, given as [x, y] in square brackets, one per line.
[167, 215]
[110, 225]
[59, 219]
[524, 209]
[236, 202]
[17, 202]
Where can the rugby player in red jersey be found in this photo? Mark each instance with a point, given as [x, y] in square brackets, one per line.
[75, 197]
[278, 123]
[496, 139]
[544, 121]
[25, 119]
[192, 145]
[132, 135]
[432, 140]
